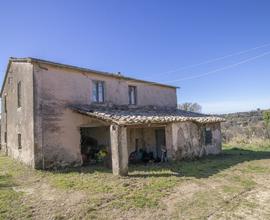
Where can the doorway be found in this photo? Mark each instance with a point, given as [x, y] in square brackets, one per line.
[160, 141]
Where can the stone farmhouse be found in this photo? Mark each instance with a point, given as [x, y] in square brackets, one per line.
[60, 115]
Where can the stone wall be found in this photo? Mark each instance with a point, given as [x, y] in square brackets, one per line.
[188, 140]
[244, 127]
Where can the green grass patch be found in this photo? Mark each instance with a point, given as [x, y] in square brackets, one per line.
[11, 206]
[217, 178]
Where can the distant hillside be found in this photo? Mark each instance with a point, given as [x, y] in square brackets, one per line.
[244, 127]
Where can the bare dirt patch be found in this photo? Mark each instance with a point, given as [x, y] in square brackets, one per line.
[47, 202]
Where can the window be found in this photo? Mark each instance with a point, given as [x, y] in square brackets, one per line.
[5, 104]
[5, 138]
[19, 94]
[19, 141]
[132, 94]
[208, 136]
[98, 91]
[10, 80]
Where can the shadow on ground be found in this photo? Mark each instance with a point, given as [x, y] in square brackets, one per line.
[200, 168]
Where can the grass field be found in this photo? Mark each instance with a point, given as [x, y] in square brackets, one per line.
[233, 185]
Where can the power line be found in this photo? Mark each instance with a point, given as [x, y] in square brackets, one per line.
[220, 69]
[215, 59]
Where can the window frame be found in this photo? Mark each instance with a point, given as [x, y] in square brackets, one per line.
[134, 88]
[96, 85]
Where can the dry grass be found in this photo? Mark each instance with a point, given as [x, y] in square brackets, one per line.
[233, 185]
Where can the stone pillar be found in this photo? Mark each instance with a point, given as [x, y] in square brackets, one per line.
[119, 150]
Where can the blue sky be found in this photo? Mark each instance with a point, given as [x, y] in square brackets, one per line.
[153, 40]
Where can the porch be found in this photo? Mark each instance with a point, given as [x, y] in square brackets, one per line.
[116, 146]
[127, 131]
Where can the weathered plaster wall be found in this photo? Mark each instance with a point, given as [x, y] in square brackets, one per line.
[146, 138]
[19, 120]
[57, 136]
[187, 140]
[77, 86]
[60, 139]
[183, 139]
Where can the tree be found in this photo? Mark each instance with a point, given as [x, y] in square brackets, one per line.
[266, 118]
[189, 106]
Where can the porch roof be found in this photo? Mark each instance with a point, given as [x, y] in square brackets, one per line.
[148, 115]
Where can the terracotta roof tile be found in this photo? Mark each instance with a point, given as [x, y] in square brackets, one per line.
[123, 115]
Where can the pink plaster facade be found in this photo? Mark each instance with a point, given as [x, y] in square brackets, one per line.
[58, 136]
[51, 130]
[18, 120]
